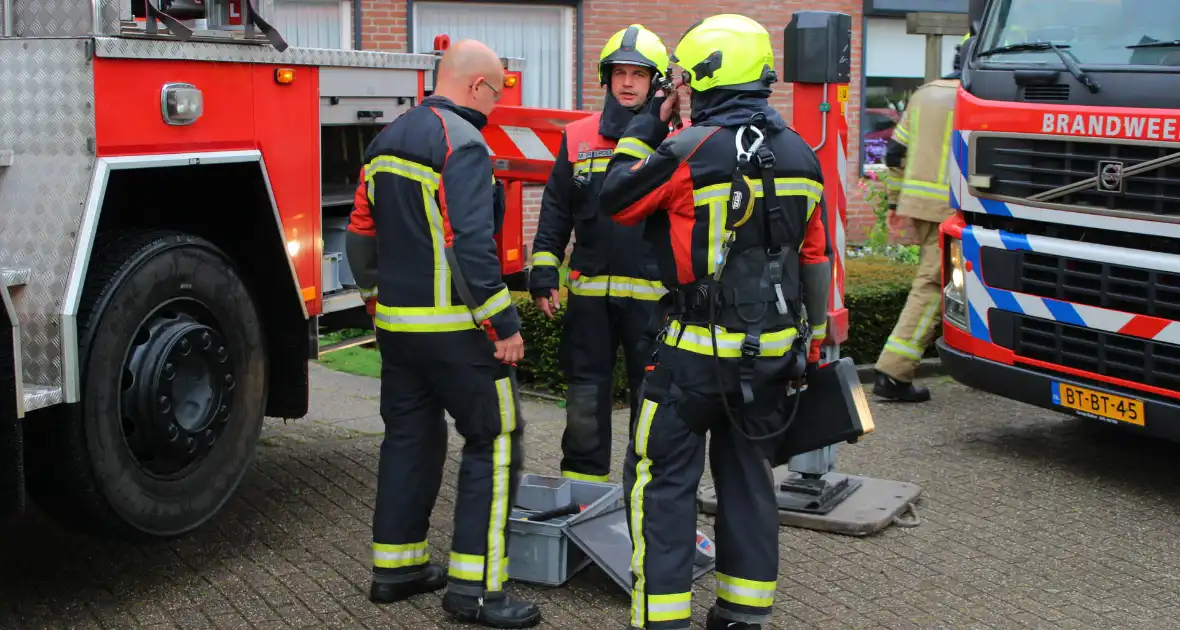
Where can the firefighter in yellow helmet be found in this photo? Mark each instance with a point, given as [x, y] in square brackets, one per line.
[613, 284]
[734, 209]
[918, 190]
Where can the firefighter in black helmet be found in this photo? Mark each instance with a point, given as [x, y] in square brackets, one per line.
[613, 281]
[733, 205]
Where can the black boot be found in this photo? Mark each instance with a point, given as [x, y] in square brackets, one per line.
[434, 578]
[495, 611]
[888, 387]
[713, 622]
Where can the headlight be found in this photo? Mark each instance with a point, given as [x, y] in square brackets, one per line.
[954, 295]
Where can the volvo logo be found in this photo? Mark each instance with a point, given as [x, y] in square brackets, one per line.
[1110, 176]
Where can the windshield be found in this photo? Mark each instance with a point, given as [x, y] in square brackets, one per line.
[1094, 32]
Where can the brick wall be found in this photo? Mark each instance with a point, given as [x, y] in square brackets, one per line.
[385, 28]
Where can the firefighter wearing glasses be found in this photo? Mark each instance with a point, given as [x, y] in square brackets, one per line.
[422, 234]
[613, 281]
[733, 205]
[919, 190]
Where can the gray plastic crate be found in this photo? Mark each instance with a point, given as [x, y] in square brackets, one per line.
[541, 553]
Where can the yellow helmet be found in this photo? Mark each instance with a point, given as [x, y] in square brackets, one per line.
[727, 50]
[633, 45]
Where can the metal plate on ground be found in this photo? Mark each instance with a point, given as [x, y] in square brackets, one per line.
[869, 509]
[607, 540]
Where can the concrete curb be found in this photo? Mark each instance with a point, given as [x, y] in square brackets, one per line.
[926, 369]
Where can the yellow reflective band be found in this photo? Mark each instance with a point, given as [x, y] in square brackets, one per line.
[569, 474]
[617, 286]
[901, 135]
[929, 190]
[403, 168]
[820, 331]
[903, 348]
[669, 607]
[545, 259]
[469, 567]
[696, 339]
[399, 556]
[596, 165]
[635, 288]
[642, 477]
[495, 304]
[946, 146]
[592, 286]
[718, 213]
[501, 462]
[926, 320]
[745, 592]
[423, 318]
[783, 187]
[367, 293]
[438, 242]
[634, 147]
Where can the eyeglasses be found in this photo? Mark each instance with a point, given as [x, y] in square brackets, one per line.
[496, 94]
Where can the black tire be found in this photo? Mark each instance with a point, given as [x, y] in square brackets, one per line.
[100, 464]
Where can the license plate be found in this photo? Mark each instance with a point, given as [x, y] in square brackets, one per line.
[1088, 402]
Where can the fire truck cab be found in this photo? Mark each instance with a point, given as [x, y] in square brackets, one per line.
[174, 185]
[1061, 268]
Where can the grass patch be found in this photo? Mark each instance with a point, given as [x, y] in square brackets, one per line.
[358, 361]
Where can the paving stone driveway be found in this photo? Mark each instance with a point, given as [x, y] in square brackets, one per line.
[1029, 519]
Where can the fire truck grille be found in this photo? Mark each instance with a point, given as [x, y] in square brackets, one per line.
[1116, 287]
[1023, 167]
[1107, 354]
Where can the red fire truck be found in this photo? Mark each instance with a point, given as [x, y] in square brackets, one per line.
[1061, 268]
[174, 184]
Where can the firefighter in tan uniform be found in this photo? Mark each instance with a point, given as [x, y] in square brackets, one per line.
[918, 189]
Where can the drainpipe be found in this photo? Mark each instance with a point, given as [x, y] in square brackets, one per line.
[357, 22]
[578, 57]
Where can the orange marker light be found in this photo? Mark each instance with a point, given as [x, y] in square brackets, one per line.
[510, 81]
[284, 75]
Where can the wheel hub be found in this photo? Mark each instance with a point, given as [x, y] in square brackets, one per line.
[178, 401]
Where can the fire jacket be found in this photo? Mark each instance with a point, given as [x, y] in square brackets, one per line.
[608, 258]
[421, 234]
[920, 190]
[682, 188]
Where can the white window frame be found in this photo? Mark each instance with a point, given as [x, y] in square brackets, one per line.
[566, 97]
[346, 20]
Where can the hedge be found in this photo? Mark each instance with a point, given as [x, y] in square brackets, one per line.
[875, 292]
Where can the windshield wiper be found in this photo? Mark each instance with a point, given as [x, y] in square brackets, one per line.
[1067, 60]
[1163, 44]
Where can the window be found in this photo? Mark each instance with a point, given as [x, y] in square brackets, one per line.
[542, 35]
[895, 64]
[315, 23]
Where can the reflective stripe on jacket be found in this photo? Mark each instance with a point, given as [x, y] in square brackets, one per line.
[427, 197]
[608, 258]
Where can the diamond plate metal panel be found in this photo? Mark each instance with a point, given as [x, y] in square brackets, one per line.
[52, 18]
[130, 48]
[47, 118]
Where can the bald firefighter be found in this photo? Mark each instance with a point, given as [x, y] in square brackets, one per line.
[733, 208]
[421, 243]
[613, 281]
[919, 190]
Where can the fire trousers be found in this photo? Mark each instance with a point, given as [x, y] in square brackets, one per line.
[592, 330]
[423, 374]
[917, 324]
[682, 401]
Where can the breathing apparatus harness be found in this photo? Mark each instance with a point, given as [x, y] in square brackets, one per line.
[760, 268]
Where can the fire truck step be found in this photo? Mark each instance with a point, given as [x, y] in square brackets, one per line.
[15, 277]
[7, 157]
[38, 396]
